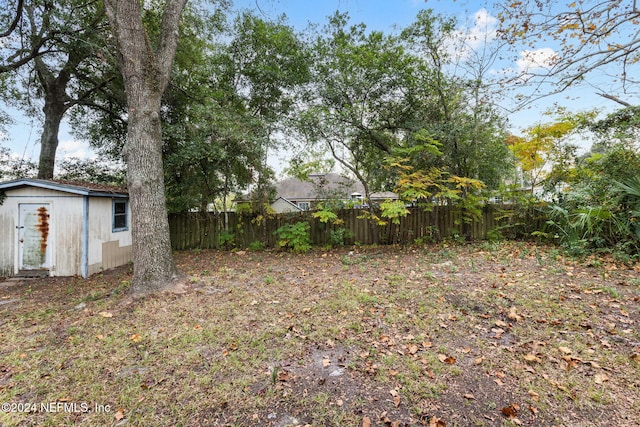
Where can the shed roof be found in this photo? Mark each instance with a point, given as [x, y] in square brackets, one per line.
[80, 188]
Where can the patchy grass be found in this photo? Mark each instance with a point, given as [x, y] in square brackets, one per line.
[478, 335]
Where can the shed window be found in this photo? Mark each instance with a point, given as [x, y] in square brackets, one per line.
[305, 206]
[120, 220]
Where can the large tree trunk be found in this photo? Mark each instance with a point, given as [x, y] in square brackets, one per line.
[153, 263]
[55, 106]
[146, 75]
[53, 113]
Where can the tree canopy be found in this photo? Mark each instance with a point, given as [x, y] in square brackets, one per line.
[582, 38]
[53, 59]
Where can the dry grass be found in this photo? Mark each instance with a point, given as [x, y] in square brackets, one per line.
[484, 335]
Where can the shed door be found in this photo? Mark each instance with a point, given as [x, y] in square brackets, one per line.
[33, 237]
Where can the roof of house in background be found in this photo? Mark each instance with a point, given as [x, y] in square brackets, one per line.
[80, 188]
[318, 187]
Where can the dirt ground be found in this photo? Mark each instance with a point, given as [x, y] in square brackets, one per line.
[449, 335]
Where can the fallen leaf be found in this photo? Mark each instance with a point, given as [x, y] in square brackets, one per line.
[284, 375]
[339, 402]
[427, 344]
[565, 350]
[535, 396]
[366, 422]
[601, 378]
[501, 324]
[106, 314]
[135, 338]
[509, 411]
[436, 422]
[479, 360]
[326, 362]
[412, 348]
[119, 414]
[449, 360]
[532, 358]
[396, 401]
[469, 396]
[513, 315]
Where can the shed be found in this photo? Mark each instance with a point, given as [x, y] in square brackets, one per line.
[61, 228]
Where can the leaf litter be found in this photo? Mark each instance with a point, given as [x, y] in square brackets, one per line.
[437, 335]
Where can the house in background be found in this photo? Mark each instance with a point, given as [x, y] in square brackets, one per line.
[58, 228]
[295, 195]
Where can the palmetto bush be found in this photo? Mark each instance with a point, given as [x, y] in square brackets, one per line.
[583, 221]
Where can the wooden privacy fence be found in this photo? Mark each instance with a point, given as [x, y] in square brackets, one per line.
[207, 230]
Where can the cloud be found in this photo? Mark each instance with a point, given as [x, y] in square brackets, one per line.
[479, 30]
[71, 148]
[484, 29]
[538, 59]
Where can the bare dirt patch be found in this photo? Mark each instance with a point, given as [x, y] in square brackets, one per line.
[484, 335]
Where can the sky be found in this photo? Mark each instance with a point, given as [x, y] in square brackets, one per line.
[476, 21]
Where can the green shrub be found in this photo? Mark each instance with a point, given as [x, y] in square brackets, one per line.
[256, 246]
[226, 239]
[337, 237]
[294, 236]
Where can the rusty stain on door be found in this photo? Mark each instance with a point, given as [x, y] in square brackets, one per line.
[43, 228]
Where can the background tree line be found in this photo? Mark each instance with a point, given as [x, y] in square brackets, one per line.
[413, 111]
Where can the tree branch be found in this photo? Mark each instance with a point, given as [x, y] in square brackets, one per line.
[14, 24]
[615, 99]
[169, 38]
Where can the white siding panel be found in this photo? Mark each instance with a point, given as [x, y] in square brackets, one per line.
[68, 235]
[7, 237]
[101, 233]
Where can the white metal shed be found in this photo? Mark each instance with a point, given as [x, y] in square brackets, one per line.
[61, 228]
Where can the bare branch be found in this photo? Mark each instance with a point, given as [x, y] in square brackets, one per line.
[615, 99]
[17, 19]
